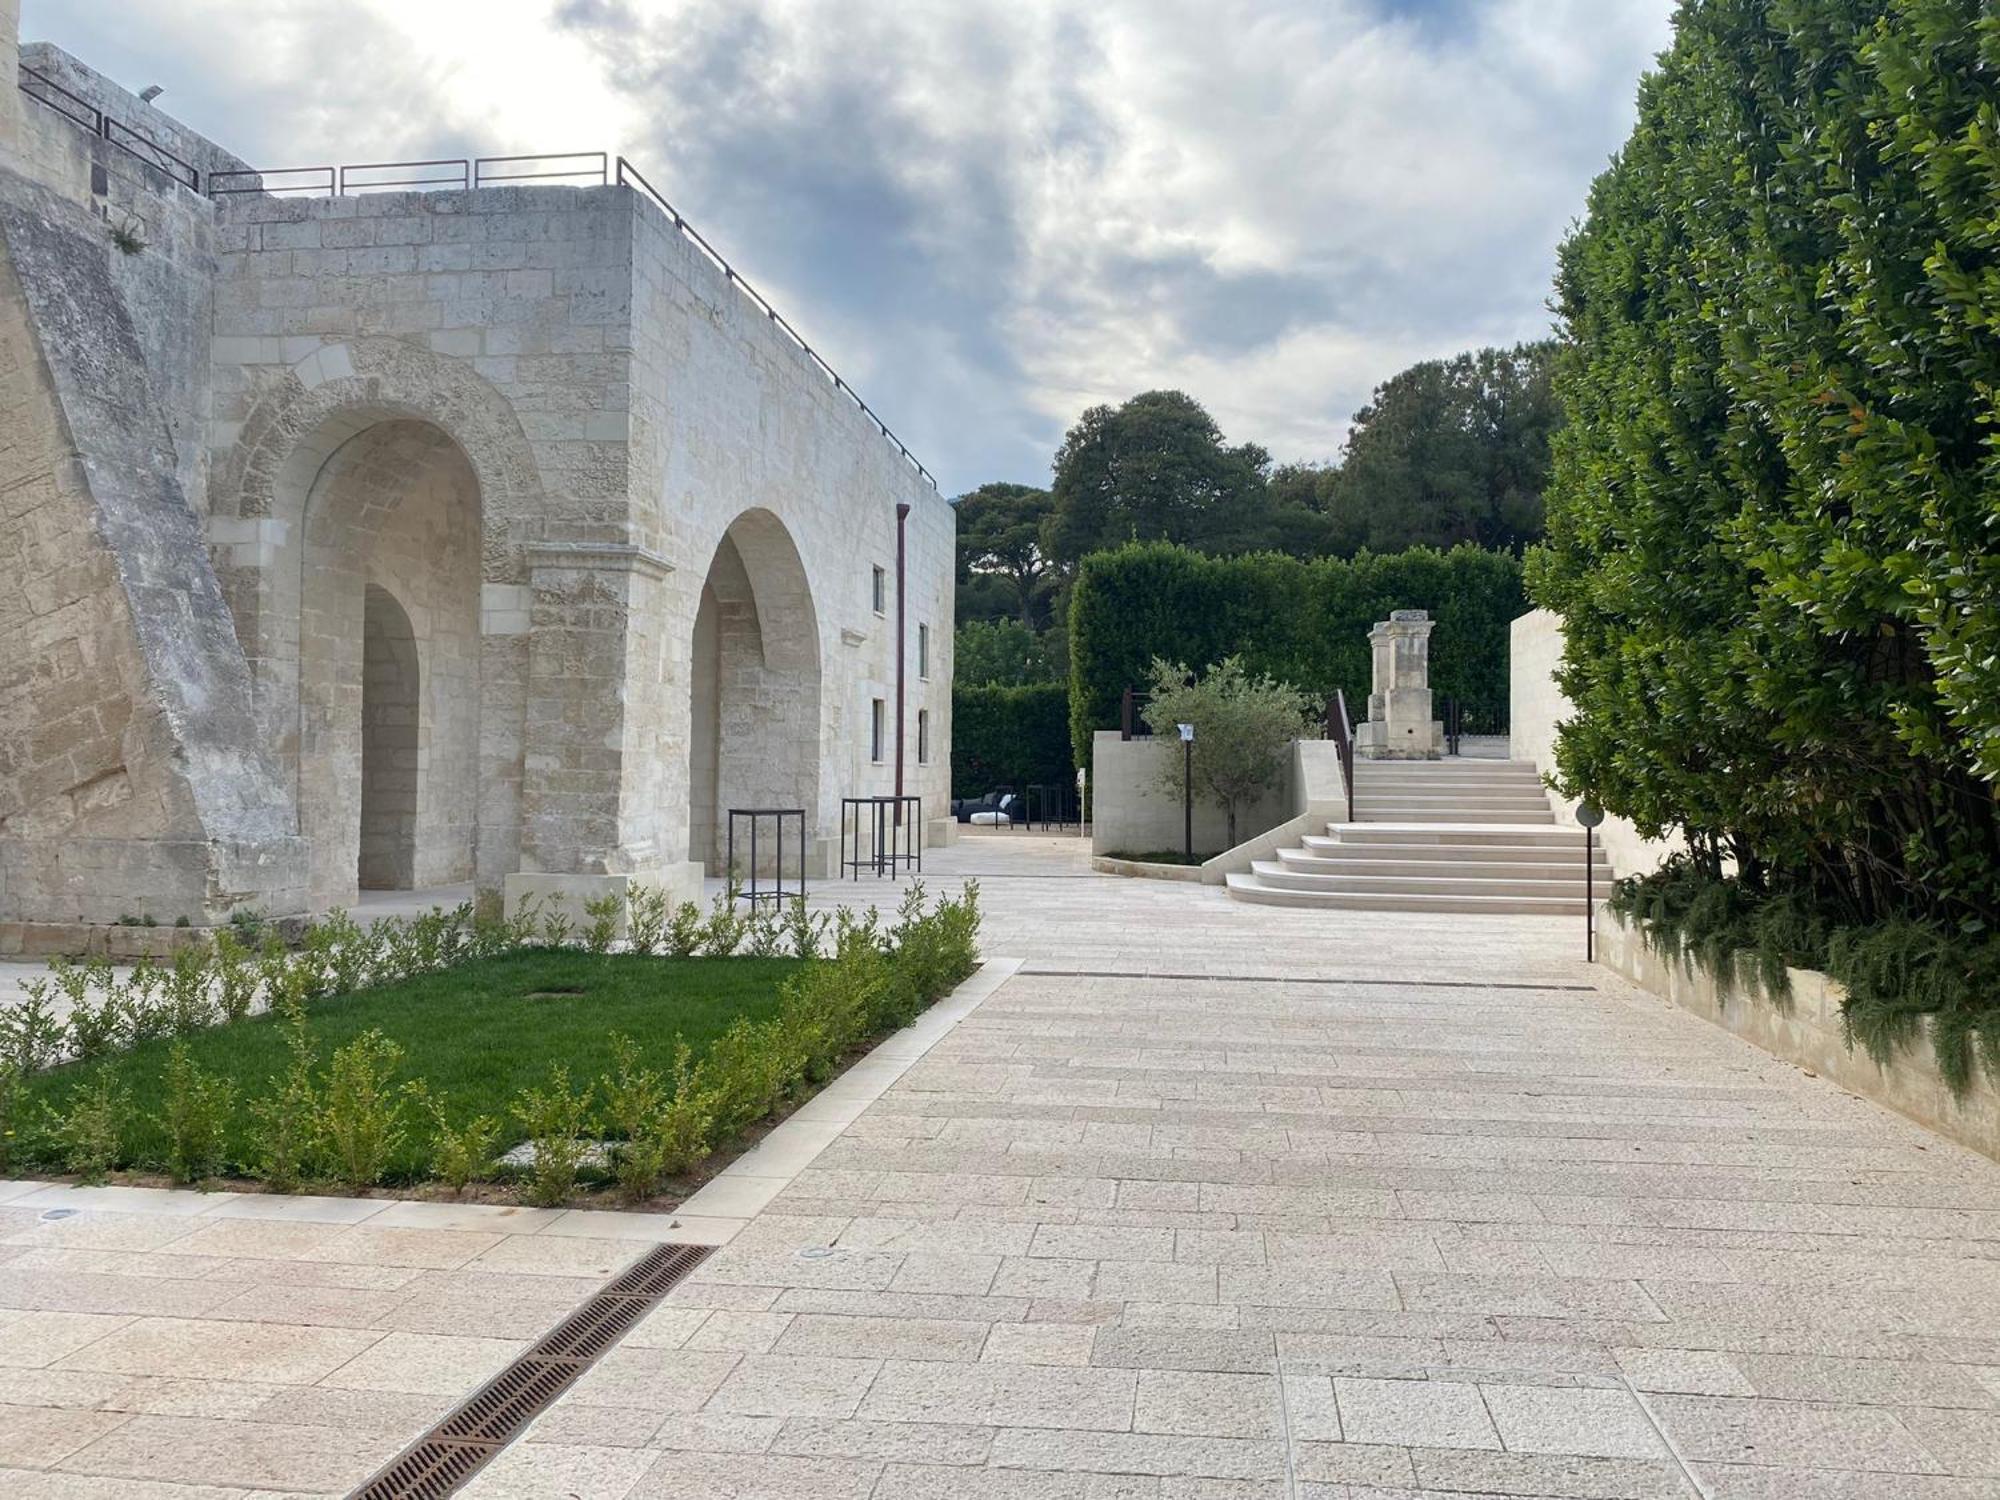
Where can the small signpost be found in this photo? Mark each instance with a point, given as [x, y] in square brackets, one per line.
[1589, 815]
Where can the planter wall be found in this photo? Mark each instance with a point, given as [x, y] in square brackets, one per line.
[1807, 1030]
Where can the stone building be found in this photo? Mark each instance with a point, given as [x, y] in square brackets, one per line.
[400, 539]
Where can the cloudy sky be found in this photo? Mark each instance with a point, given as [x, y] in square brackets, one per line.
[990, 214]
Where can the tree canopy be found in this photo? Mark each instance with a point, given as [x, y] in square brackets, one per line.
[1000, 536]
[1005, 652]
[1154, 469]
[1448, 451]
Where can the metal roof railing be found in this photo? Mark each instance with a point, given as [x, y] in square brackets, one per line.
[629, 176]
[442, 174]
[136, 144]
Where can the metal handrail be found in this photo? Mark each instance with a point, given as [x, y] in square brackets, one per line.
[630, 176]
[1340, 729]
[484, 176]
[1132, 723]
[136, 144]
[72, 107]
[320, 182]
[384, 184]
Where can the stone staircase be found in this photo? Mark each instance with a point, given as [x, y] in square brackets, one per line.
[1443, 835]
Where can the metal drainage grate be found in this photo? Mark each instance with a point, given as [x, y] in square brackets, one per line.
[489, 1419]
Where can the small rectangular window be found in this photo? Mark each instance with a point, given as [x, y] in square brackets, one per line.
[923, 736]
[881, 592]
[878, 728]
[923, 651]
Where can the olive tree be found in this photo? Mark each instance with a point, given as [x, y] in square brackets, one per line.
[1244, 726]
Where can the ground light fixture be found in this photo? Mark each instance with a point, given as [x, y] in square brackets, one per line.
[1187, 789]
[1589, 815]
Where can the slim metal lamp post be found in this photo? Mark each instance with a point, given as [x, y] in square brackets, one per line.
[1589, 815]
[1187, 790]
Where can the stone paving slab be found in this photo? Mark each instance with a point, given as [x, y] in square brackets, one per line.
[1205, 1202]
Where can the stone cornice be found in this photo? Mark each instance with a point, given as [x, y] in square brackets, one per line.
[606, 557]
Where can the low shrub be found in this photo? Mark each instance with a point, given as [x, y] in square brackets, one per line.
[91, 1132]
[604, 912]
[288, 1117]
[459, 1150]
[558, 1123]
[196, 1119]
[360, 1110]
[634, 1097]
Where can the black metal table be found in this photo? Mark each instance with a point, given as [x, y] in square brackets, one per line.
[756, 891]
[897, 826]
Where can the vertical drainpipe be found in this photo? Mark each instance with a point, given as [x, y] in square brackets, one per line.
[902, 533]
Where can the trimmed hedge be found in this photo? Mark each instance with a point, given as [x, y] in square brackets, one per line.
[1772, 517]
[1009, 737]
[1302, 622]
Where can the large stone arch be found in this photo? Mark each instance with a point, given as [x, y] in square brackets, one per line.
[302, 521]
[754, 686]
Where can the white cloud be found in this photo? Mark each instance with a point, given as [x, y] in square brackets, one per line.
[990, 213]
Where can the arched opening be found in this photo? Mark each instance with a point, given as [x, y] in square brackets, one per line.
[391, 690]
[388, 654]
[754, 687]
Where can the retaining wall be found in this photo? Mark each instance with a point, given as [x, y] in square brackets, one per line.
[1806, 1030]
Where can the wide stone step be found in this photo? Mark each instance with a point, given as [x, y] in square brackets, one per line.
[1404, 813]
[1347, 852]
[1250, 888]
[1389, 801]
[1470, 864]
[1446, 880]
[1365, 788]
[1447, 771]
[1445, 795]
[1521, 835]
[1363, 782]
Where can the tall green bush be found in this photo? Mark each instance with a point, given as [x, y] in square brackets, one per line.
[1305, 623]
[1773, 516]
[1010, 737]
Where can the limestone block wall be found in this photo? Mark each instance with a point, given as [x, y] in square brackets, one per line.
[497, 318]
[1536, 705]
[736, 434]
[390, 522]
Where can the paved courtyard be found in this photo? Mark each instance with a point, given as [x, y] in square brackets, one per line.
[1204, 1201]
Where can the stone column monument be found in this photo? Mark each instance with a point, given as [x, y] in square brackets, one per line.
[1399, 725]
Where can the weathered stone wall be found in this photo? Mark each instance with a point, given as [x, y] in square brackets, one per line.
[166, 287]
[130, 778]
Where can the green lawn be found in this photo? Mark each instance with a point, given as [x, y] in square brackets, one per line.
[476, 1034]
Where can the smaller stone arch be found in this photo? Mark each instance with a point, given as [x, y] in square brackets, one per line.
[325, 456]
[754, 684]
